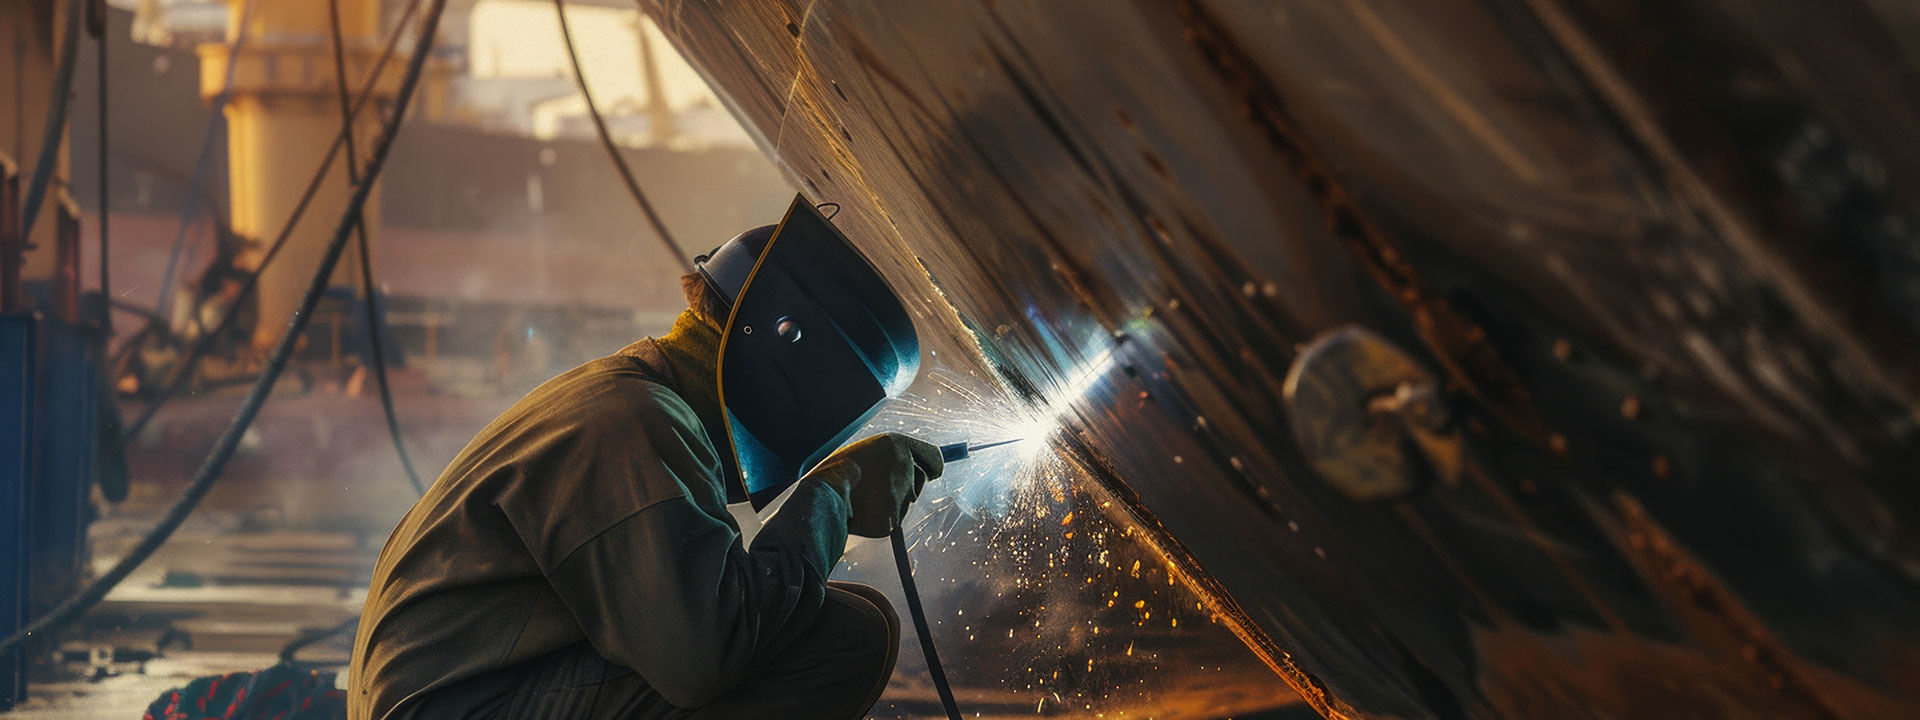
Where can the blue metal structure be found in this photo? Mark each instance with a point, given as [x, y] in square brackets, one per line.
[16, 422]
[64, 438]
[49, 377]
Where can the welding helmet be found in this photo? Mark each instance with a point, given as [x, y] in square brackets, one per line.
[814, 340]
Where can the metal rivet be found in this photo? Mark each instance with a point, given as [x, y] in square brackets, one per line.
[1355, 400]
[748, 329]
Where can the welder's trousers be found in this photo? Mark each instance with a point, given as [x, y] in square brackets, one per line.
[835, 669]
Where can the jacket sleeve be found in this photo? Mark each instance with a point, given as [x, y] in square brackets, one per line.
[669, 591]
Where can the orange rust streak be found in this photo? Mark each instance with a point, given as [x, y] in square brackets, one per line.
[1186, 569]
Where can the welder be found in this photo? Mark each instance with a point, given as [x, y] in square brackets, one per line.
[577, 558]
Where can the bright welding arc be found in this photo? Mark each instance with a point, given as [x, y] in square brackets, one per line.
[989, 481]
[1046, 419]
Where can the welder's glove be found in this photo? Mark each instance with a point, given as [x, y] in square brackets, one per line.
[880, 477]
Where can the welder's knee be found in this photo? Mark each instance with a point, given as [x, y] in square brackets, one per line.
[861, 623]
[837, 668]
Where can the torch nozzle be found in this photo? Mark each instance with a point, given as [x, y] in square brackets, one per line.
[961, 450]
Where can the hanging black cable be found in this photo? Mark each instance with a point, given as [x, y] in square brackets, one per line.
[289, 652]
[183, 373]
[920, 627]
[292, 648]
[229, 440]
[613, 151]
[99, 23]
[56, 126]
[375, 346]
[215, 127]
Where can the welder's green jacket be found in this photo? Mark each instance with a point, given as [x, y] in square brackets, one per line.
[593, 509]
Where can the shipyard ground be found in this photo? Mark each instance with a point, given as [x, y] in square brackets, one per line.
[288, 543]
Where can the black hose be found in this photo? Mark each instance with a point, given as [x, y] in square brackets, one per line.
[100, 101]
[214, 126]
[56, 127]
[920, 627]
[375, 345]
[613, 151]
[229, 440]
[184, 372]
[289, 651]
[292, 648]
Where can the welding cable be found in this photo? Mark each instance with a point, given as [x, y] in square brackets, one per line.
[290, 651]
[216, 213]
[56, 126]
[110, 470]
[214, 125]
[229, 440]
[100, 102]
[184, 372]
[613, 151]
[920, 627]
[375, 346]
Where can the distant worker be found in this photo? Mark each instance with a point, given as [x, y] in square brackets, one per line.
[577, 559]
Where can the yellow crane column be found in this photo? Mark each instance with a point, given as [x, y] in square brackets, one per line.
[282, 116]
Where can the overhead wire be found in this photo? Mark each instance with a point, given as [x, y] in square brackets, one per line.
[214, 211]
[56, 127]
[110, 470]
[375, 346]
[613, 151]
[20, 24]
[229, 440]
[289, 652]
[183, 372]
[215, 126]
[100, 102]
[217, 213]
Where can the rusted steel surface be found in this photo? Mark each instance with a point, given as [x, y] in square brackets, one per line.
[1660, 255]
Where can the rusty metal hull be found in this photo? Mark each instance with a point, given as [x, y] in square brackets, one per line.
[1660, 257]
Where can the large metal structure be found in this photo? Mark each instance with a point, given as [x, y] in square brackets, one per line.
[50, 432]
[49, 358]
[283, 114]
[16, 407]
[1475, 358]
[50, 436]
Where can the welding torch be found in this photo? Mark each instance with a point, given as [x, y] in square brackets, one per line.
[962, 450]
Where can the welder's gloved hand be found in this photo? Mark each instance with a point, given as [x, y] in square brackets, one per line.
[880, 477]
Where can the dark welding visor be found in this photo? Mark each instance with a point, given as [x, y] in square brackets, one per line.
[815, 340]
